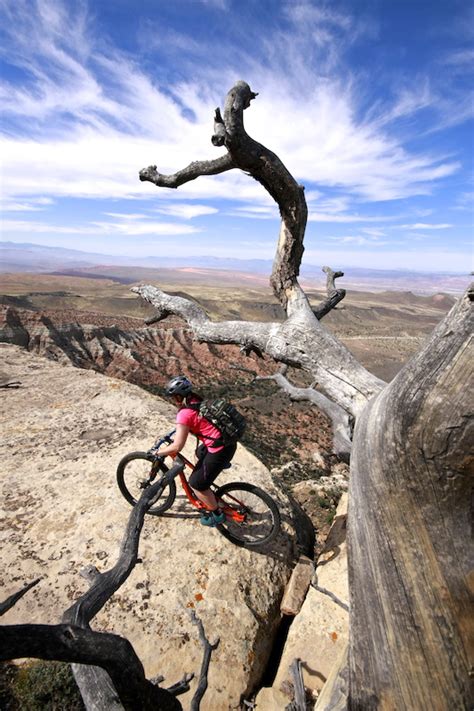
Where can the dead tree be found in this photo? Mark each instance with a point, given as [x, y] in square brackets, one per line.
[409, 511]
[107, 670]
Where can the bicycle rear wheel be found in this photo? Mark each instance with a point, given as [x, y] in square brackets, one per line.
[137, 467]
[258, 513]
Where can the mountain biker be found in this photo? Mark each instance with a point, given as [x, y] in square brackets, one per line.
[212, 457]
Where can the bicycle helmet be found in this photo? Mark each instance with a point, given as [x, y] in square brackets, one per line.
[179, 385]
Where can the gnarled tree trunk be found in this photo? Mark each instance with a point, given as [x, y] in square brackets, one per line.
[410, 531]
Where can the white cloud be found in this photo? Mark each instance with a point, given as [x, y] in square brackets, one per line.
[465, 201]
[89, 117]
[344, 219]
[218, 4]
[408, 101]
[358, 240]
[259, 212]
[119, 228]
[461, 57]
[373, 232]
[44, 228]
[186, 211]
[98, 118]
[423, 212]
[321, 141]
[129, 216]
[31, 205]
[146, 228]
[425, 226]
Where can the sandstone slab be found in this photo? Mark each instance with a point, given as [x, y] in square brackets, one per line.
[64, 431]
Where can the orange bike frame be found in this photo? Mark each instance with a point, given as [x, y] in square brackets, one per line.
[194, 501]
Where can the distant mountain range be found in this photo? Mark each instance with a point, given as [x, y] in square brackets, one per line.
[26, 257]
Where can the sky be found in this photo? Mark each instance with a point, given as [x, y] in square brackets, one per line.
[368, 103]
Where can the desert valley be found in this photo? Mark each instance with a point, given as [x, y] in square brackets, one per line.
[91, 318]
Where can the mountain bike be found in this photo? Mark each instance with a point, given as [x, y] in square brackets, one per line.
[252, 516]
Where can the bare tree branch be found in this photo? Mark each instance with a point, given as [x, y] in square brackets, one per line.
[208, 649]
[180, 687]
[341, 422]
[266, 167]
[13, 599]
[334, 296]
[74, 641]
[96, 688]
[191, 172]
[105, 584]
[300, 341]
[70, 643]
[330, 279]
[299, 702]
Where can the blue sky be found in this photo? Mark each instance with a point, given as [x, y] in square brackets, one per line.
[367, 103]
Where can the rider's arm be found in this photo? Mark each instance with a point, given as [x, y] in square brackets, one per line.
[179, 440]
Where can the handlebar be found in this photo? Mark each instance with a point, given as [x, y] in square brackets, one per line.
[168, 439]
[165, 439]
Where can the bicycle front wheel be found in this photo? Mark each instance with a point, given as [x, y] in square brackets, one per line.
[252, 516]
[136, 468]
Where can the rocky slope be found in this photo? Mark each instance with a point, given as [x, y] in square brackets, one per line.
[280, 431]
[65, 430]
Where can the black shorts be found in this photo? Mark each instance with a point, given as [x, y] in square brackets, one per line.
[210, 465]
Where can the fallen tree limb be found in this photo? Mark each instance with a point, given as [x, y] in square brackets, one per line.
[334, 296]
[299, 702]
[103, 662]
[208, 649]
[341, 422]
[70, 643]
[300, 341]
[13, 599]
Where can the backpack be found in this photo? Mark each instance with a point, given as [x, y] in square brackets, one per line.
[223, 415]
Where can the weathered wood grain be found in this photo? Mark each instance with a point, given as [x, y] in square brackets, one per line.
[410, 531]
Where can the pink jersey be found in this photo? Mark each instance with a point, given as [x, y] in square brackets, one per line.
[199, 426]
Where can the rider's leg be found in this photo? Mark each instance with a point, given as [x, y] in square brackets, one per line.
[207, 497]
[206, 471]
[202, 477]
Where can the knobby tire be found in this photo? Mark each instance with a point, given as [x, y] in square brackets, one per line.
[262, 522]
[136, 466]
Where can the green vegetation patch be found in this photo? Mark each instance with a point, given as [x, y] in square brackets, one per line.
[39, 686]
